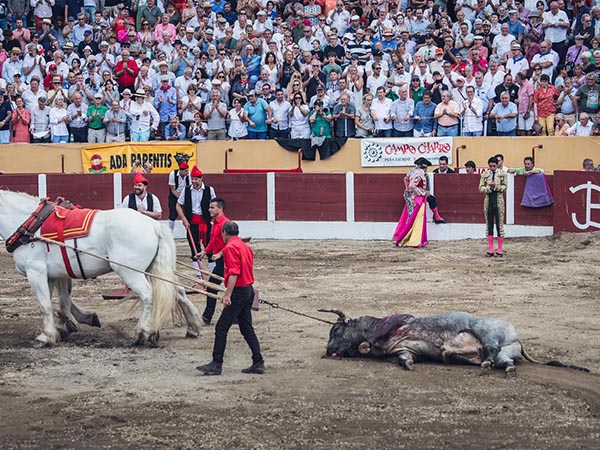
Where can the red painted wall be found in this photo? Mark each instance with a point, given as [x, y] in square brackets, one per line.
[310, 197]
[245, 194]
[568, 203]
[378, 197]
[89, 191]
[27, 183]
[458, 198]
[532, 216]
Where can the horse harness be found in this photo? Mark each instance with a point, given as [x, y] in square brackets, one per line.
[26, 231]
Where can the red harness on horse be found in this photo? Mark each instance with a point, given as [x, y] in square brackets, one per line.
[58, 221]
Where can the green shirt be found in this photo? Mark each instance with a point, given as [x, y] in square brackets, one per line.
[321, 127]
[96, 122]
[521, 170]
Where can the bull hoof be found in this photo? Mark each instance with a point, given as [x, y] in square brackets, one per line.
[510, 370]
[364, 348]
[409, 365]
[96, 321]
[486, 365]
[153, 339]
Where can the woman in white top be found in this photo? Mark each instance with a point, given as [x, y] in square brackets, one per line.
[299, 118]
[356, 83]
[58, 122]
[363, 120]
[237, 118]
[191, 104]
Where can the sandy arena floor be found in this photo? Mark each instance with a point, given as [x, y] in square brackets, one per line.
[96, 392]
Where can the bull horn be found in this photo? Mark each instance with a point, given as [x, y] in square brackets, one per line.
[341, 314]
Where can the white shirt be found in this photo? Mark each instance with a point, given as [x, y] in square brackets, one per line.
[472, 121]
[551, 56]
[57, 126]
[493, 80]
[374, 82]
[579, 130]
[197, 198]
[555, 34]
[281, 113]
[143, 202]
[182, 181]
[29, 61]
[514, 67]
[140, 116]
[339, 21]
[381, 110]
[502, 44]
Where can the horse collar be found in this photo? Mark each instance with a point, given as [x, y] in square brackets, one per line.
[26, 231]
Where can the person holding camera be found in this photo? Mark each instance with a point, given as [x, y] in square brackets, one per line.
[320, 120]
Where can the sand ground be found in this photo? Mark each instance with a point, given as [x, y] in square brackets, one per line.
[95, 391]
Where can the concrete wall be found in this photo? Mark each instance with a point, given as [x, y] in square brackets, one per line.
[557, 154]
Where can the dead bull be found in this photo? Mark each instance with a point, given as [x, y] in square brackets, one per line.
[453, 337]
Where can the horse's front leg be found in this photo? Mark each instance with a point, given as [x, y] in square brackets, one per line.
[38, 279]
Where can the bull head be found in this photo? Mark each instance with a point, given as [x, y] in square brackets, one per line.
[342, 337]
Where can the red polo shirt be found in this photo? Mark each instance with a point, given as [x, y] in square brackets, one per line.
[216, 243]
[239, 260]
[126, 79]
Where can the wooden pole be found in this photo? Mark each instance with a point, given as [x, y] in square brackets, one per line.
[110, 261]
[218, 287]
[205, 272]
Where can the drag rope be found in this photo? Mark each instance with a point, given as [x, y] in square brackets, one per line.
[278, 306]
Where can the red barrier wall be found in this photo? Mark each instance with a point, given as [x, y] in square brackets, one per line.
[569, 203]
[88, 191]
[27, 183]
[310, 197]
[378, 197]
[458, 197]
[245, 194]
[532, 216]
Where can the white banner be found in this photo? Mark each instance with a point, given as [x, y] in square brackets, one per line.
[402, 152]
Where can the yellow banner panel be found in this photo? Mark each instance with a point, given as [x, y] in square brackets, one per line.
[122, 157]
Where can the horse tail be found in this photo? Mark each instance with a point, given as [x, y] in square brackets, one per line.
[163, 265]
[550, 363]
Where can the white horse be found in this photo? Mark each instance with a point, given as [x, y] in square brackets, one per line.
[122, 235]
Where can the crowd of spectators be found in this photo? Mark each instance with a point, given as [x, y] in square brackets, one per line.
[105, 71]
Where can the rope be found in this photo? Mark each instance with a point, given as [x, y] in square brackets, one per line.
[278, 306]
[111, 261]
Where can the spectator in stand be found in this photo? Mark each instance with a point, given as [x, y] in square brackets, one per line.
[344, 114]
[581, 128]
[215, 114]
[587, 96]
[556, 26]
[363, 120]
[175, 131]
[115, 121]
[447, 114]
[443, 166]
[165, 102]
[561, 127]
[299, 118]
[320, 120]
[40, 122]
[58, 119]
[126, 71]
[95, 114]
[144, 118]
[544, 105]
[381, 108]
[256, 110]
[5, 119]
[525, 105]
[278, 116]
[472, 114]
[402, 112]
[20, 122]
[424, 117]
[588, 165]
[505, 115]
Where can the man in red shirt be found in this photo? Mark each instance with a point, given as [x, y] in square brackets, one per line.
[126, 71]
[239, 276]
[214, 250]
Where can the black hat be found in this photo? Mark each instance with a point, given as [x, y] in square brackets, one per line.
[422, 162]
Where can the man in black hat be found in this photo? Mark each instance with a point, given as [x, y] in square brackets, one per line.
[424, 163]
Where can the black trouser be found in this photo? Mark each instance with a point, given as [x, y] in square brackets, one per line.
[211, 303]
[80, 134]
[273, 133]
[173, 215]
[561, 49]
[432, 201]
[493, 214]
[240, 309]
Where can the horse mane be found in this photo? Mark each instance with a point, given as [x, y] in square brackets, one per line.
[17, 200]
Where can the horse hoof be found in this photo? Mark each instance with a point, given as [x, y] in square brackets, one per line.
[70, 326]
[364, 348]
[96, 321]
[153, 339]
[191, 335]
[64, 333]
